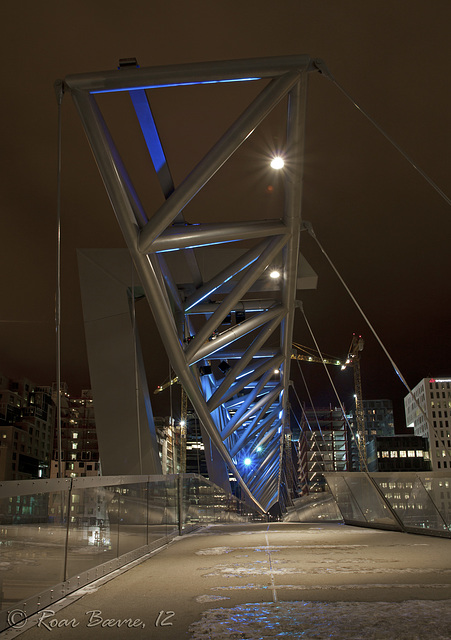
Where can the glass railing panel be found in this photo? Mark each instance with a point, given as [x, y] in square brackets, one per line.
[172, 507]
[345, 500]
[33, 528]
[438, 485]
[410, 500]
[93, 536]
[314, 507]
[371, 503]
[159, 509]
[132, 499]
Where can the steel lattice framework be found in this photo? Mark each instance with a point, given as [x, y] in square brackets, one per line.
[243, 405]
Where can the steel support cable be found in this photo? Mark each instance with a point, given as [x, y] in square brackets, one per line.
[135, 365]
[309, 228]
[311, 404]
[331, 382]
[59, 90]
[325, 71]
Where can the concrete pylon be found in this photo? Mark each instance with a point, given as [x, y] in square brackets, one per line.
[124, 419]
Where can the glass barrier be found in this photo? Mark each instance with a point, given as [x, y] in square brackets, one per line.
[408, 497]
[33, 529]
[371, 503]
[57, 535]
[93, 529]
[438, 486]
[412, 502]
[314, 507]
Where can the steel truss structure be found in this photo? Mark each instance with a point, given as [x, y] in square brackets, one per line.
[230, 349]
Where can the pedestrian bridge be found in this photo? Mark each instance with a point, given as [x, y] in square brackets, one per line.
[60, 536]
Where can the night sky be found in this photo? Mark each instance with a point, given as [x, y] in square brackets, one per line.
[384, 227]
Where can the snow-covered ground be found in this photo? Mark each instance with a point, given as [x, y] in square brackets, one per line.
[408, 620]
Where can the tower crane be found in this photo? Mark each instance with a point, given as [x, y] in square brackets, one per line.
[356, 346]
[353, 360]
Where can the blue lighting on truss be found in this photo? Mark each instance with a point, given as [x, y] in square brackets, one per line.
[174, 84]
[149, 129]
[219, 285]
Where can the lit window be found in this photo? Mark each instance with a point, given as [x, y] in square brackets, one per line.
[411, 454]
[393, 454]
[385, 454]
[420, 454]
[74, 445]
[403, 454]
[75, 435]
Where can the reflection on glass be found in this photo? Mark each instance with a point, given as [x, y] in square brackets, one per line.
[32, 540]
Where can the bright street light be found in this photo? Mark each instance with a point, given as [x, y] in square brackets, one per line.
[277, 163]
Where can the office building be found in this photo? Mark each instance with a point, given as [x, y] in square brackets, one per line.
[428, 413]
[323, 446]
[79, 446]
[402, 453]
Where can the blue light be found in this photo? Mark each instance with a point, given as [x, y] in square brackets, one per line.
[247, 462]
[148, 128]
[175, 84]
[219, 285]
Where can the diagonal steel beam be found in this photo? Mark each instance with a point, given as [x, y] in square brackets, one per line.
[272, 249]
[235, 333]
[216, 399]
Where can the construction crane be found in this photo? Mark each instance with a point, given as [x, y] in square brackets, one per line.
[356, 347]
[353, 359]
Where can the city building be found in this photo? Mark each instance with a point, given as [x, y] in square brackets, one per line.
[323, 446]
[402, 453]
[79, 446]
[379, 421]
[195, 450]
[27, 419]
[171, 441]
[428, 412]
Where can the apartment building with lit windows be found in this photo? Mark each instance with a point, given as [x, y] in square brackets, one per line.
[79, 445]
[429, 414]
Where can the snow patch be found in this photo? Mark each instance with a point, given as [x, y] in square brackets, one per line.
[407, 620]
[209, 598]
[214, 551]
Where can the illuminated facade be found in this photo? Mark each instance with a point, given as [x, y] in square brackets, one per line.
[79, 446]
[170, 449]
[402, 453]
[323, 446]
[429, 416]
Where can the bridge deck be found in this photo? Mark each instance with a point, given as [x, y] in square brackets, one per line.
[257, 580]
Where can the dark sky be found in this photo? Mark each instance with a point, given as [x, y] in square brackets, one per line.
[386, 230]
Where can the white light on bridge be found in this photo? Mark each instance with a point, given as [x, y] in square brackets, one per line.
[277, 163]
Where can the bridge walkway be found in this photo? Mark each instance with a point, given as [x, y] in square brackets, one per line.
[265, 580]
